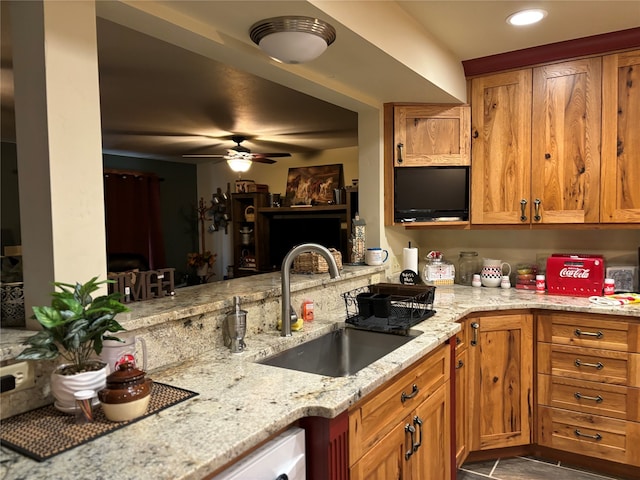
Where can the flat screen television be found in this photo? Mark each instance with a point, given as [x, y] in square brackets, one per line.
[431, 194]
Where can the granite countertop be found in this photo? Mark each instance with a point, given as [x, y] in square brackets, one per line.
[242, 403]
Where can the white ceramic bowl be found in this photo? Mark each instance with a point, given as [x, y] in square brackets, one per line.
[121, 412]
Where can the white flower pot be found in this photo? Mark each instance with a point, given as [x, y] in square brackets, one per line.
[64, 386]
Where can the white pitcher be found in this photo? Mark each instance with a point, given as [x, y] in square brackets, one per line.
[492, 272]
[115, 353]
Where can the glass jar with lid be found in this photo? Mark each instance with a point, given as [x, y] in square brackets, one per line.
[467, 266]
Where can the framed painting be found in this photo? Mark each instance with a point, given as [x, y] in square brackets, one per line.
[313, 185]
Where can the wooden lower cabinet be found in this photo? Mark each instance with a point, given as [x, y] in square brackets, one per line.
[500, 381]
[402, 431]
[461, 376]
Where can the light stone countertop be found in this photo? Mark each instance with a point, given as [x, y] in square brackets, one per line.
[242, 403]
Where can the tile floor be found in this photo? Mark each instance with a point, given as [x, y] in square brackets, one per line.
[524, 468]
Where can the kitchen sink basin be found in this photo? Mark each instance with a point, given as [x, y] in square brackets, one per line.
[339, 353]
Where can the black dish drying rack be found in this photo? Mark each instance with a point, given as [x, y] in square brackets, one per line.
[389, 307]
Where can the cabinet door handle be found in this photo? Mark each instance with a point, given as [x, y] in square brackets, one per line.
[400, 148]
[580, 363]
[414, 391]
[409, 429]
[523, 206]
[579, 396]
[460, 364]
[578, 433]
[474, 339]
[597, 334]
[418, 421]
[536, 206]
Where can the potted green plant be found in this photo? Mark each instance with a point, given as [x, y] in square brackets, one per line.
[74, 327]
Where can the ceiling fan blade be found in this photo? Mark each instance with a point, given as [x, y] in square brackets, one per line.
[202, 155]
[276, 155]
[268, 161]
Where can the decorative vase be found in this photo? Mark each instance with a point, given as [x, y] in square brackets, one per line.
[203, 270]
[64, 386]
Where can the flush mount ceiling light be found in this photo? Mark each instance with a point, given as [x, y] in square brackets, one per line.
[292, 39]
[238, 161]
[526, 17]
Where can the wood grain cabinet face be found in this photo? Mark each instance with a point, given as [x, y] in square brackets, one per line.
[536, 145]
[431, 135]
[405, 439]
[589, 385]
[500, 381]
[620, 195]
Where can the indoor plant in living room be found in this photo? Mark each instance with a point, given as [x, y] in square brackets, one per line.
[74, 327]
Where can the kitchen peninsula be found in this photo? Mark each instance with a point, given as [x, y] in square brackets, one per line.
[242, 403]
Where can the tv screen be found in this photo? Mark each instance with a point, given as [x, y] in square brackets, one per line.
[431, 194]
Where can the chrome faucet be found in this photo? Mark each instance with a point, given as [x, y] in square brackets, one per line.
[288, 313]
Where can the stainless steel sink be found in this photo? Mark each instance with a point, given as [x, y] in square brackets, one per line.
[339, 353]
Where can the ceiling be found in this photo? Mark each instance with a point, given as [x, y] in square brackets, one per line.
[161, 100]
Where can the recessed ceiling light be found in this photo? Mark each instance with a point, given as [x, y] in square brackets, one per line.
[526, 17]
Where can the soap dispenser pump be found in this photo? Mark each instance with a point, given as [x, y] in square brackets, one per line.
[236, 328]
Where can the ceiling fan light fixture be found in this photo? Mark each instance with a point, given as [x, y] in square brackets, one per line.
[293, 39]
[526, 17]
[238, 161]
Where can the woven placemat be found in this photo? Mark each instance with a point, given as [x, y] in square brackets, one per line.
[44, 432]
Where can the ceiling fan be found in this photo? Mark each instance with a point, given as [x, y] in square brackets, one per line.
[238, 154]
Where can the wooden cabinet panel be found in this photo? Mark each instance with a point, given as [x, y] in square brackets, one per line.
[461, 406]
[500, 381]
[595, 365]
[373, 417]
[599, 398]
[386, 461]
[588, 330]
[620, 196]
[565, 152]
[587, 434]
[431, 135]
[501, 148]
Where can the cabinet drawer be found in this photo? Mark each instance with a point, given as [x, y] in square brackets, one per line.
[615, 401]
[595, 365]
[375, 415]
[588, 331]
[593, 435]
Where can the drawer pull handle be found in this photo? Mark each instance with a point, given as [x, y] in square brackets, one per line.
[409, 429]
[400, 147]
[460, 364]
[597, 436]
[598, 366]
[579, 396]
[418, 421]
[597, 334]
[474, 339]
[414, 391]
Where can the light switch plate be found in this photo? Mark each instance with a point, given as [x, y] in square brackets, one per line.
[23, 373]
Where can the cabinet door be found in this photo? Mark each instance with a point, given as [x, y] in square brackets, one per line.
[387, 459]
[430, 135]
[500, 381]
[432, 458]
[565, 151]
[620, 196]
[501, 148]
[462, 405]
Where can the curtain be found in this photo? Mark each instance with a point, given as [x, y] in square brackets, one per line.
[132, 210]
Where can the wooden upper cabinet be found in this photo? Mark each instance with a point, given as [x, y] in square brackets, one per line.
[501, 148]
[431, 135]
[565, 150]
[620, 193]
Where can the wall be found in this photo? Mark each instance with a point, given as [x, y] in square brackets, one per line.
[177, 192]
[518, 246]
[216, 175]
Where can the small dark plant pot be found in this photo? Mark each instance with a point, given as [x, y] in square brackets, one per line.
[381, 305]
[365, 306]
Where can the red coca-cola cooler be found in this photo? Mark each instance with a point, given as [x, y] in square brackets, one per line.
[576, 275]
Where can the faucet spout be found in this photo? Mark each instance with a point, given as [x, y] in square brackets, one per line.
[285, 273]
